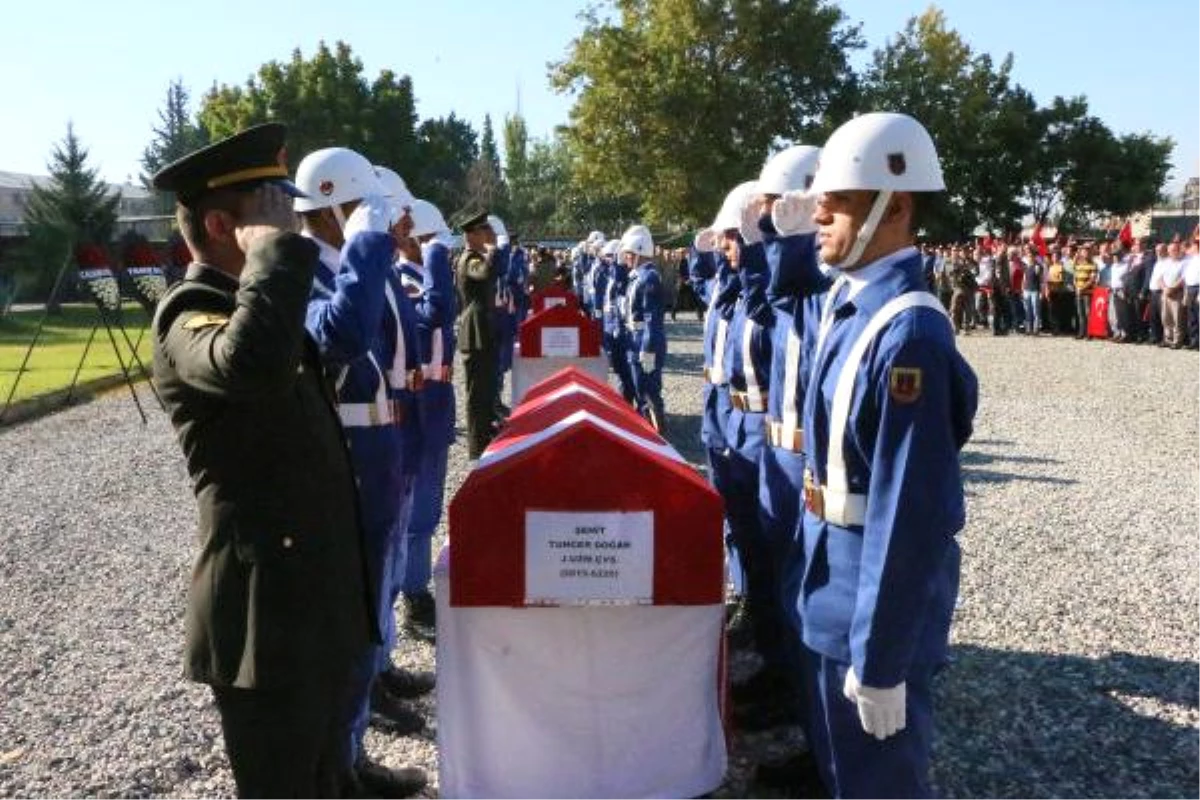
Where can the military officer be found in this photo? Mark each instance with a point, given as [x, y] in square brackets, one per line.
[889, 404]
[429, 281]
[475, 275]
[368, 344]
[279, 606]
[645, 323]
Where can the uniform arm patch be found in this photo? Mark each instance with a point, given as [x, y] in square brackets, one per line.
[904, 384]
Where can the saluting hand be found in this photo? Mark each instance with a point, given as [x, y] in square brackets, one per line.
[267, 211]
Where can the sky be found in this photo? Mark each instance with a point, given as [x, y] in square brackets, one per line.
[105, 66]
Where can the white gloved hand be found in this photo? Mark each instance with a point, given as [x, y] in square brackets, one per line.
[748, 227]
[705, 241]
[374, 213]
[881, 711]
[501, 241]
[646, 361]
[497, 226]
[793, 213]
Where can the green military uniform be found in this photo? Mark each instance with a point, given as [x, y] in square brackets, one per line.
[475, 278]
[278, 604]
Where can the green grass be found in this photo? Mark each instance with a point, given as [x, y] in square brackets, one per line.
[61, 346]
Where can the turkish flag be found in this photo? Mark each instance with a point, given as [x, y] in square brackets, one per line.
[1097, 324]
[1126, 234]
[1039, 242]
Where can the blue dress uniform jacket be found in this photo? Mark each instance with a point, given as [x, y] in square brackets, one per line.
[518, 285]
[616, 338]
[880, 595]
[647, 334]
[279, 591]
[600, 276]
[719, 293]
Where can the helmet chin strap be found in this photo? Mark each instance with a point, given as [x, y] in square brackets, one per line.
[867, 231]
[336, 208]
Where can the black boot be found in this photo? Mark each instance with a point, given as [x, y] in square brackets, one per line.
[390, 715]
[420, 616]
[376, 780]
[738, 626]
[797, 776]
[404, 684]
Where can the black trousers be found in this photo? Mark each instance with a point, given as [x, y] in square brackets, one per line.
[1156, 325]
[286, 742]
[1190, 311]
[479, 367]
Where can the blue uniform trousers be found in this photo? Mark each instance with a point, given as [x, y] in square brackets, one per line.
[429, 489]
[647, 387]
[852, 762]
[618, 358]
[383, 498]
[754, 554]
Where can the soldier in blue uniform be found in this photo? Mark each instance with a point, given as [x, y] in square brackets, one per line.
[616, 338]
[369, 349]
[645, 322]
[518, 281]
[889, 405]
[429, 283]
[505, 312]
[599, 277]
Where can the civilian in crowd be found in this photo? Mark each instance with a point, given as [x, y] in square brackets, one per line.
[1086, 278]
[1032, 279]
[1171, 278]
[1191, 282]
[1155, 291]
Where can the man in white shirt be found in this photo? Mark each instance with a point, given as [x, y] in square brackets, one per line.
[1170, 276]
[1191, 283]
[1118, 308]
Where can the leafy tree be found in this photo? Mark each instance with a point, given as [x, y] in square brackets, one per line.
[325, 101]
[676, 101]
[448, 147]
[176, 135]
[984, 127]
[75, 208]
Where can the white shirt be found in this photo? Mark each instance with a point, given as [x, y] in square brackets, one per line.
[859, 279]
[1116, 272]
[1171, 270]
[1156, 274]
[1191, 270]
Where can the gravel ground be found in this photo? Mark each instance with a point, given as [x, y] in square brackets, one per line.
[1075, 659]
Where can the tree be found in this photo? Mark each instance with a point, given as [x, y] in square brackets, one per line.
[448, 147]
[485, 183]
[325, 101]
[677, 101]
[75, 208]
[176, 135]
[985, 128]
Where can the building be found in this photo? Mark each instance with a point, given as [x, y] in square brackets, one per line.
[137, 202]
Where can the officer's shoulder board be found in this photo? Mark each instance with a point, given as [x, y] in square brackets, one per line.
[199, 321]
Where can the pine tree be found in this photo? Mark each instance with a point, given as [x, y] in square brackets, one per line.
[175, 136]
[74, 208]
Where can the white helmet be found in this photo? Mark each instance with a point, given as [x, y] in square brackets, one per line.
[335, 175]
[730, 215]
[595, 237]
[882, 152]
[610, 247]
[427, 219]
[638, 240]
[789, 170]
[395, 189]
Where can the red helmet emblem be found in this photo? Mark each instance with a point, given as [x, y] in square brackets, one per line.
[326, 188]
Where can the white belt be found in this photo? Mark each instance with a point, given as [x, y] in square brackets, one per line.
[784, 436]
[438, 372]
[365, 415]
[745, 401]
[637, 326]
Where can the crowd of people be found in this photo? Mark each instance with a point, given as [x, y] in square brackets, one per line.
[1150, 289]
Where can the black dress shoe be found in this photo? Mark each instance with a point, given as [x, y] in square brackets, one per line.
[376, 780]
[797, 776]
[388, 714]
[420, 616]
[404, 684]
